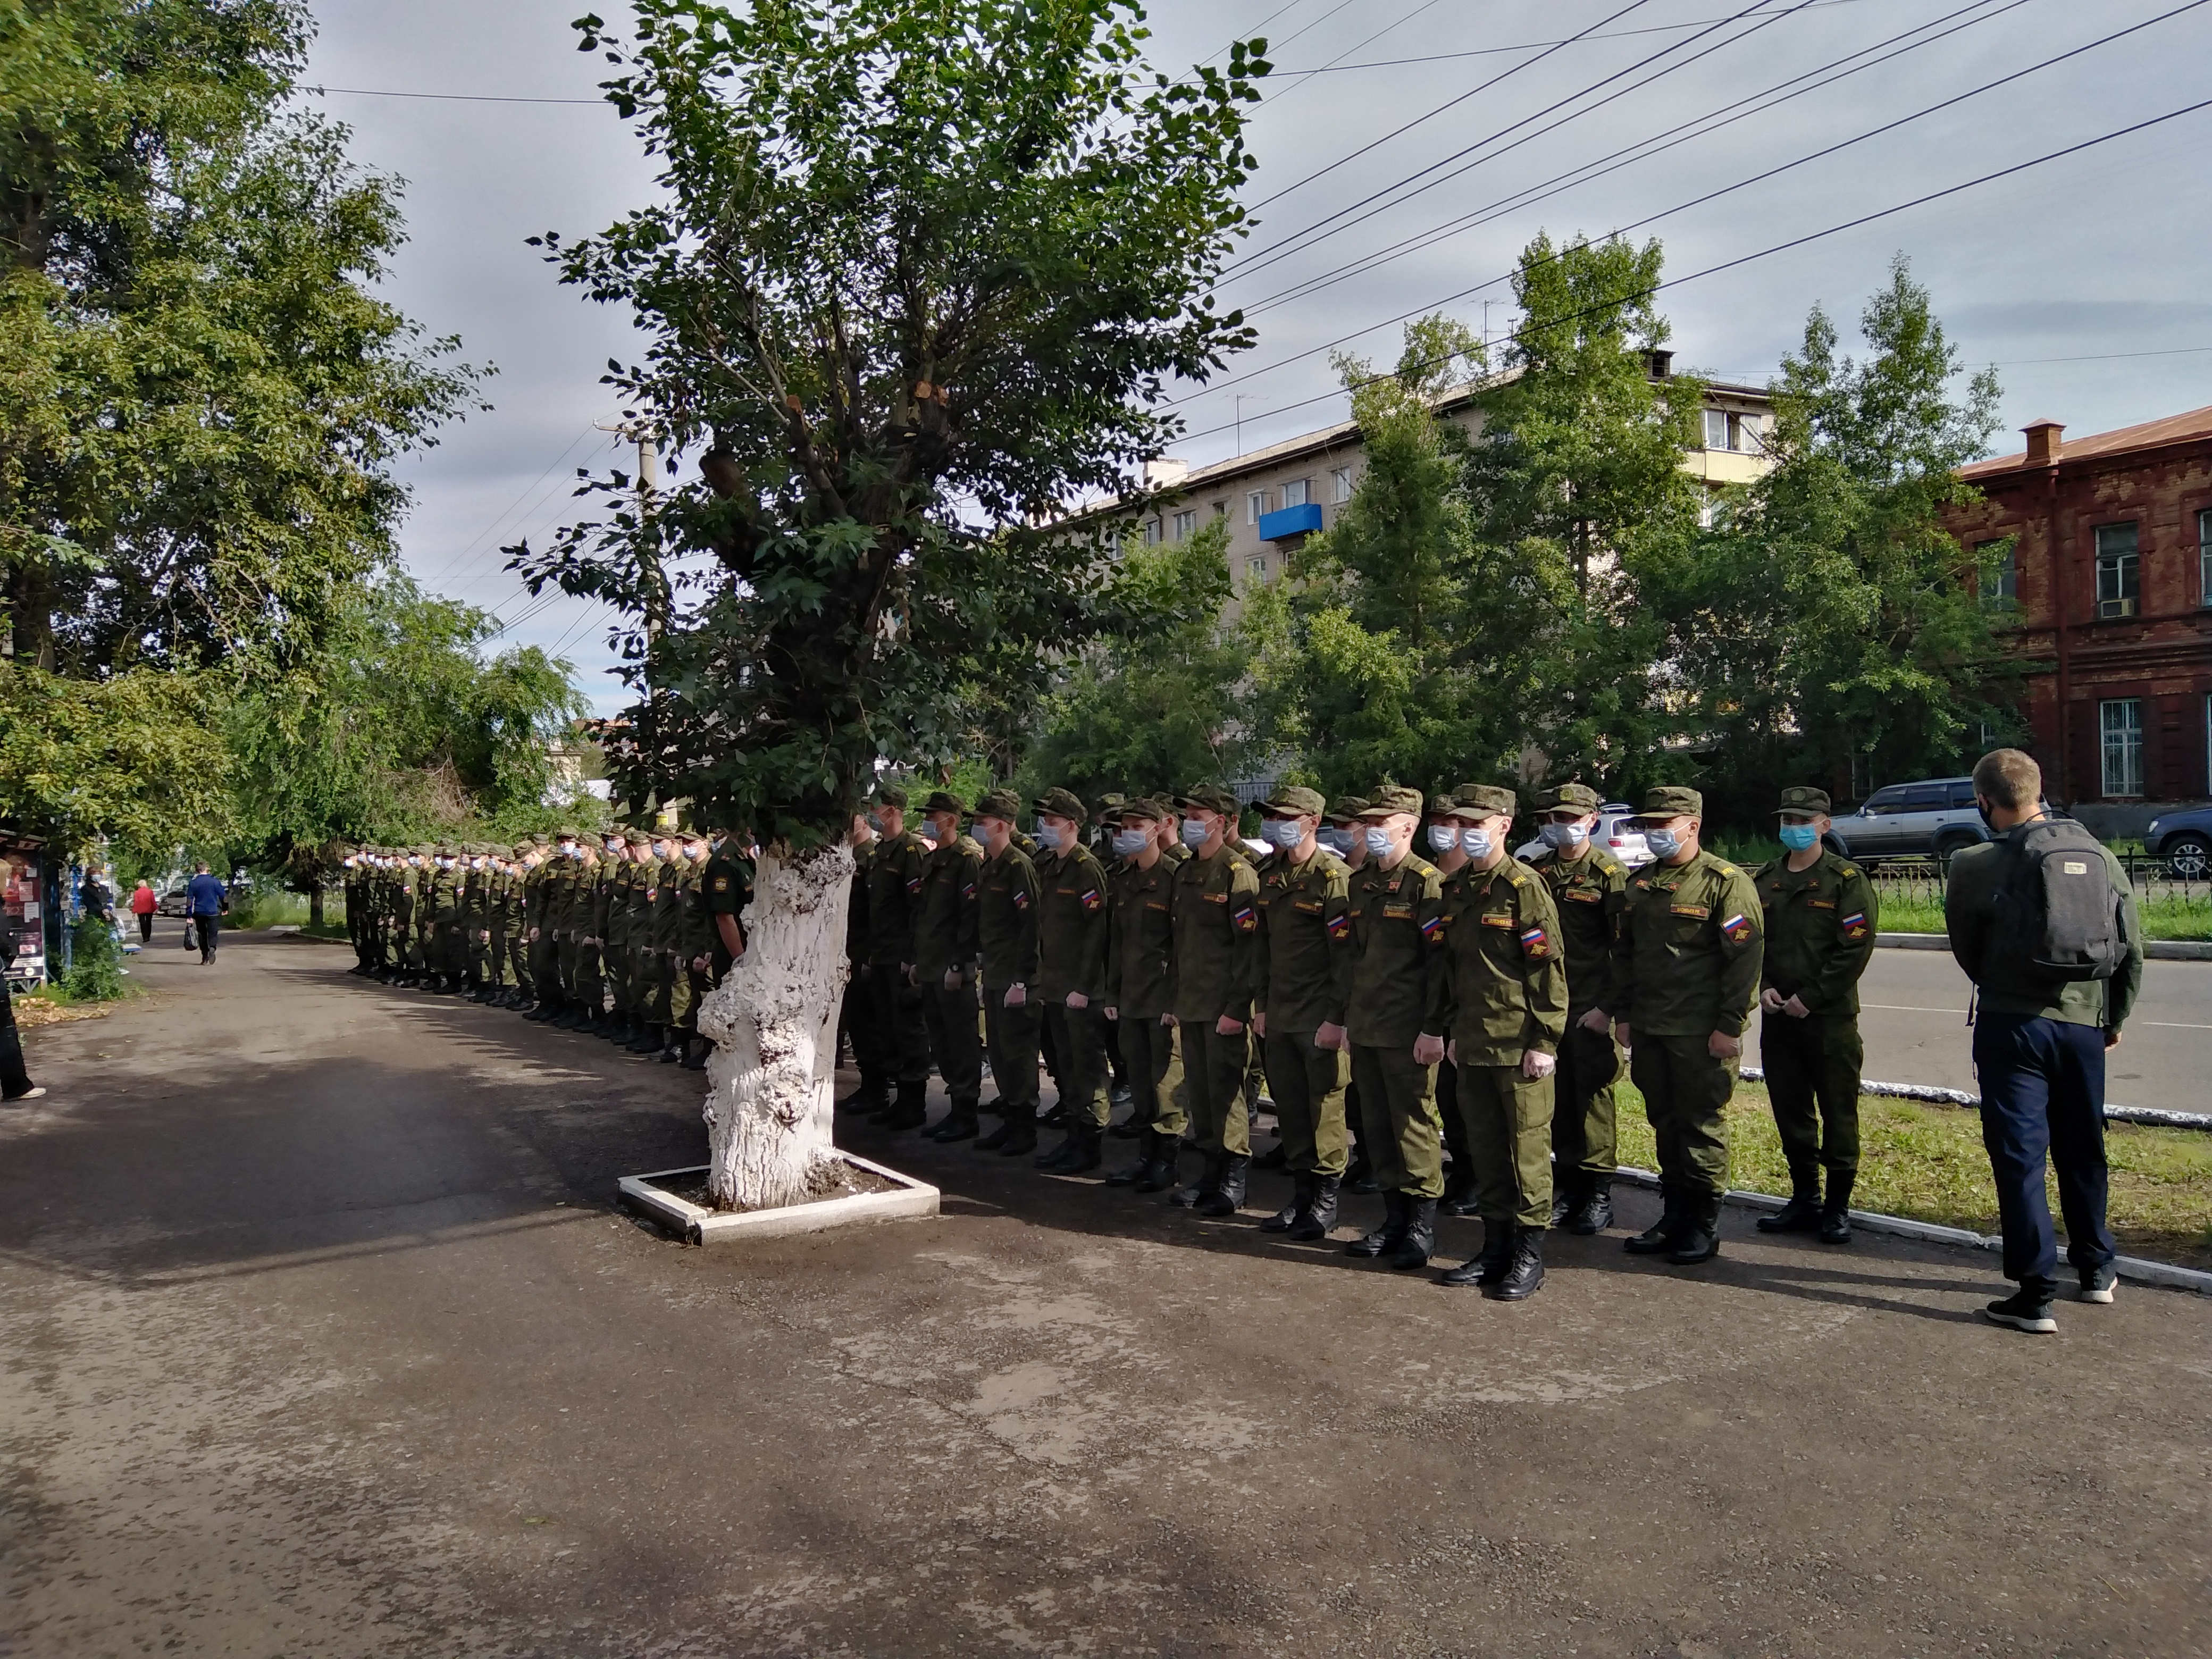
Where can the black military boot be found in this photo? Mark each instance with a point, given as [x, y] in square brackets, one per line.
[1566, 1194]
[1525, 1273]
[1160, 1173]
[1594, 1209]
[1227, 1197]
[1129, 1175]
[1317, 1220]
[1801, 1214]
[1660, 1235]
[996, 1140]
[1386, 1237]
[1209, 1177]
[672, 1050]
[1302, 1185]
[1419, 1242]
[959, 1124]
[1086, 1151]
[911, 1109]
[647, 1041]
[1700, 1240]
[1021, 1136]
[1459, 1190]
[1053, 1163]
[621, 1029]
[697, 1049]
[867, 1098]
[1836, 1212]
[1488, 1268]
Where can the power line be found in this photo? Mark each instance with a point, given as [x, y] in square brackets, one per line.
[1713, 195]
[1764, 252]
[1743, 109]
[448, 97]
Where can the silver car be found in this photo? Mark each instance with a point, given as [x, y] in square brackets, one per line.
[1933, 818]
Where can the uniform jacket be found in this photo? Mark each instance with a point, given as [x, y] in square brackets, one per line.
[1395, 962]
[945, 930]
[894, 898]
[1141, 942]
[1590, 893]
[1072, 922]
[1505, 978]
[1217, 936]
[1006, 921]
[1305, 918]
[1820, 924]
[1694, 945]
[727, 882]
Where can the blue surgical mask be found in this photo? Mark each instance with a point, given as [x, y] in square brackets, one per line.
[1127, 843]
[1799, 836]
[1378, 842]
[1280, 832]
[876, 822]
[1664, 843]
[1478, 843]
[1563, 835]
[1337, 840]
[1443, 837]
[1047, 836]
[1193, 833]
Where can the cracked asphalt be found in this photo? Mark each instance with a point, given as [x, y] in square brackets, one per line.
[320, 1334]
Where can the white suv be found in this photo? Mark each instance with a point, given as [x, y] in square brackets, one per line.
[1614, 832]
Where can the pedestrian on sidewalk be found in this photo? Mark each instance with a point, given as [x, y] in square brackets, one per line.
[208, 903]
[14, 1081]
[143, 904]
[2043, 920]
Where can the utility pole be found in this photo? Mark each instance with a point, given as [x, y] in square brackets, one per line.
[648, 552]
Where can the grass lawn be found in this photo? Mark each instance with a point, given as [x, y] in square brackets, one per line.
[2162, 918]
[1927, 1162]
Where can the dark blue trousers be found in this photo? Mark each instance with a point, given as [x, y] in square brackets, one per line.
[2042, 1093]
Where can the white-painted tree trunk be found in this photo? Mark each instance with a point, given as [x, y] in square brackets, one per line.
[773, 1024]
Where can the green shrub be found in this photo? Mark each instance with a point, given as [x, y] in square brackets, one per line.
[95, 972]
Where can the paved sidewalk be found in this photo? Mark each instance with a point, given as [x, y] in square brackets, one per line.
[320, 1335]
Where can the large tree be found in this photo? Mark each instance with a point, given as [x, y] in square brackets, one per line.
[914, 269]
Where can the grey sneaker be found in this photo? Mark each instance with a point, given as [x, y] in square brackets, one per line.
[2022, 1311]
[2097, 1283]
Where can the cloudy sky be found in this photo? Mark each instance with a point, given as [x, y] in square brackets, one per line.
[1408, 148]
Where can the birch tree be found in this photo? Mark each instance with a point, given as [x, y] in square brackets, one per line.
[913, 270]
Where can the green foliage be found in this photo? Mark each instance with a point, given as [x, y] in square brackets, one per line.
[397, 730]
[1832, 615]
[95, 972]
[1156, 708]
[200, 398]
[135, 757]
[912, 272]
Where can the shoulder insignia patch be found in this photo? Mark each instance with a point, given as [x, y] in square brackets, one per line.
[1246, 918]
[1094, 900]
[1432, 926]
[1738, 928]
[1021, 898]
[1341, 927]
[1535, 942]
[721, 883]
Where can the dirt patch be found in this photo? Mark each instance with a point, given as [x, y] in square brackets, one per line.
[32, 1012]
[843, 1181]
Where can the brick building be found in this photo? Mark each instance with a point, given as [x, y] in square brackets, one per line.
[2108, 580]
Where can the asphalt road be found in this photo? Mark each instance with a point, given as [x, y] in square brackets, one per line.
[318, 1335]
[1913, 1014]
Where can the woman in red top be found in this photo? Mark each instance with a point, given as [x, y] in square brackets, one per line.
[142, 906]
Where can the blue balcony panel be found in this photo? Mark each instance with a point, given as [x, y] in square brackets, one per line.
[1289, 522]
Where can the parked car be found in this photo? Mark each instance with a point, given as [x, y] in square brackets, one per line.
[1932, 819]
[2184, 840]
[1614, 833]
[174, 902]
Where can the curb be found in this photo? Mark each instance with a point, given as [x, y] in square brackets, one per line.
[1932, 1094]
[2163, 1274]
[2155, 950]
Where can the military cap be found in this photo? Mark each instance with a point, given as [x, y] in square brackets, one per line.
[1294, 801]
[889, 794]
[1114, 800]
[568, 832]
[1391, 801]
[942, 800]
[1150, 811]
[1210, 798]
[1000, 804]
[523, 849]
[1580, 796]
[639, 838]
[1802, 798]
[1348, 806]
[1444, 806]
[1062, 804]
[1673, 800]
[1483, 797]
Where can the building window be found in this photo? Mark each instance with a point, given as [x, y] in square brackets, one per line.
[2000, 571]
[2204, 558]
[1256, 570]
[1295, 492]
[1255, 506]
[1221, 509]
[1151, 532]
[1716, 429]
[1743, 433]
[1186, 525]
[2118, 570]
[2119, 720]
[1340, 490]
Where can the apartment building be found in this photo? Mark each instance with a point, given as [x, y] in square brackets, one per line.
[1275, 497]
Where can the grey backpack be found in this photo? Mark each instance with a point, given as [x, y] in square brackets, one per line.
[2058, 914]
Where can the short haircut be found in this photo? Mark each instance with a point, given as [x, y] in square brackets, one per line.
[2009, 777]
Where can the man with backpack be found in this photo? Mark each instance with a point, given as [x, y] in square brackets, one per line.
[2043, 920]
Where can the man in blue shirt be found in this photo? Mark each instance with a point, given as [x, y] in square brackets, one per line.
[208, 901]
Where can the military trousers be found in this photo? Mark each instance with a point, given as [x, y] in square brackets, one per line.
[1398, 1128]
[1077, 1035]
[1507, 1119]
[857, 1018]
[1012, 1035]
[954, 1038]
[1307, 1082]
[565, 949]
[1213, 1068]
[1686, 1095]
[1584, 1133]
[545, 967]
[520, 968]
[591, 983]
[1455, 1130]
[619, 963]
[1152, 1058]
[1812, 1079]
[906, 1037]
[493, 968]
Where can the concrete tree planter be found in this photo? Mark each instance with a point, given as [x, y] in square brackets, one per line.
[904, 1198]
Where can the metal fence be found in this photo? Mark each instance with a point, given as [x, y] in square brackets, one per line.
[1920, 882]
